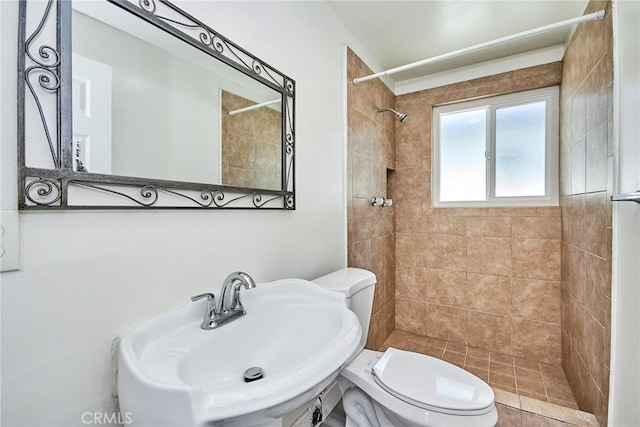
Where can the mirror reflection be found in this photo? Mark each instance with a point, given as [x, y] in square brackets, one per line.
[147, 105]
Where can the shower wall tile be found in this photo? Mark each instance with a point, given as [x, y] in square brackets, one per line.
[489, 331]
[484, 267]
[586, 151]
[491, 294]
[446, 287]
[536, 258]
[446, 322]
[371, 158]
[536, 299]
[446, 251]
[489, 255]
[496, 226]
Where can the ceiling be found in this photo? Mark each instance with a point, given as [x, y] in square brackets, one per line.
[399, 32]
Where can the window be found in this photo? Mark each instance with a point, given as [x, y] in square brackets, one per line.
[500, 151]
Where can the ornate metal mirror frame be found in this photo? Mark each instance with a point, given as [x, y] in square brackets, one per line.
[44, 79]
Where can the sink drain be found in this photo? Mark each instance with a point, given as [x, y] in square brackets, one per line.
[253, 374]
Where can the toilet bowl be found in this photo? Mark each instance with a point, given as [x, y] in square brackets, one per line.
[398, 388]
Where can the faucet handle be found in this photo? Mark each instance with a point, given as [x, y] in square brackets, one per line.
[209, 296]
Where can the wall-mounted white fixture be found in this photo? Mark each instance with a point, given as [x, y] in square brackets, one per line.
[580, 19]
[196, 377]
[253, 107]
[380, 201]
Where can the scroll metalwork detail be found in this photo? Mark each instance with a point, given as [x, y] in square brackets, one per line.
[150, 196]
[45, 67]
[43, 192]
[45, 70]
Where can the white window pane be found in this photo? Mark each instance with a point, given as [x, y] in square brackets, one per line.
[462, 156]
[520, 150]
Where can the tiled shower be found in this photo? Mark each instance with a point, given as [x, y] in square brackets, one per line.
[530, 285]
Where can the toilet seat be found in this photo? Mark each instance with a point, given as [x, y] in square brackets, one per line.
[432, 384]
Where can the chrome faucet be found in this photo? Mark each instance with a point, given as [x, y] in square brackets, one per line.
[229, 307]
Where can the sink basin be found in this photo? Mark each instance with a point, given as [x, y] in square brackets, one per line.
[171, 372]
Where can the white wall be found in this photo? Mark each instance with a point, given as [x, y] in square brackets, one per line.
[624, 394]
[87, 277]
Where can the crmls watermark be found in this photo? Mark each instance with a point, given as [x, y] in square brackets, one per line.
[102, 418]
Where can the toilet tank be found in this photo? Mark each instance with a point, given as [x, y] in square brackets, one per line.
[358, 286]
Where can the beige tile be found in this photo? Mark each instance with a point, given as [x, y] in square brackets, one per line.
[596, 159]
[533, 420]
[490, 331]
[578, 166]
[455, 358]
[500, 380]
[532, 387]
[409, 151]
[489, 293]
[536, 259]
[571, 404]
[480, 353]
[360, 255]
[489, 226]
[411, 316]
[511, 212]
[551, 370]
[549, 211]
[405, 341]
[409, 216]
[598, 283]
[376, 332]
[508, 416]
[598, 215]
[556, 412]
[507, 398]
[529, 375]
[536, 340]
[378, 255]
[437, 342]
[447, 252]
[447, 287]
[411, 283]
[502, 368]
[536, 299]
[447, 322]
[536, 396]
[538, 227]
[433, 351]
[439, 224]
[456, 347]
[505, 359]
[558, 388]
[461, 211]
[411, 250]
[522, 363]
[477, 362]
[489, 255]
[482, 373]
[509, 389]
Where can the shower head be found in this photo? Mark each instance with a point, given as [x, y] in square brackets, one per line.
[401, 116]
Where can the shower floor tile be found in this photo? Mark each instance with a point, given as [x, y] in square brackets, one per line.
[524, 377]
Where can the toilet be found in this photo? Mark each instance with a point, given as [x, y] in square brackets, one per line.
[398, 388]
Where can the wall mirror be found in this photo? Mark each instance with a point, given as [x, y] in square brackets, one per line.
[137, 104]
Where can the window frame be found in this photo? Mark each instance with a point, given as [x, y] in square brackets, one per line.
[550, 95]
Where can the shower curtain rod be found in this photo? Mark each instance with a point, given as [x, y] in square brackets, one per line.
[580, 19]
[253, 107]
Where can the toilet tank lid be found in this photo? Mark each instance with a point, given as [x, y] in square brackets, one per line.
[348, 280]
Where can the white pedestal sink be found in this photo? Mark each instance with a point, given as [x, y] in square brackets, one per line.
[173, 373]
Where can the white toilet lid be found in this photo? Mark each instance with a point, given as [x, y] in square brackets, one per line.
[431, 383]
